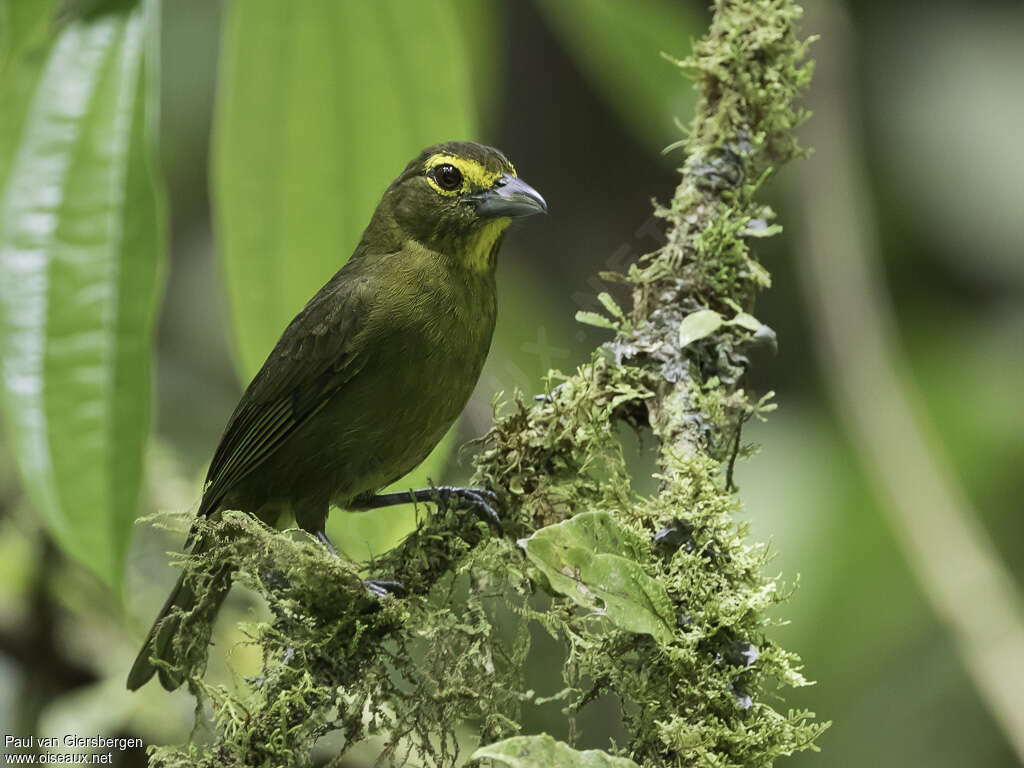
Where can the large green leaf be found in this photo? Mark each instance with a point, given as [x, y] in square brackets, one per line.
[26, 34]
[81, 244]
[618, 45]
[593, 561]
[544, 752]
[320, 105]
[480, 22]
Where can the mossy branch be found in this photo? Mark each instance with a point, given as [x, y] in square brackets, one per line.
[658, 600]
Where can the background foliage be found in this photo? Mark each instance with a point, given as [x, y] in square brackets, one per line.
[935, 139]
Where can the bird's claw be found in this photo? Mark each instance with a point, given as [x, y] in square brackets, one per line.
[321, 536]
[480, 500]
[383, 587]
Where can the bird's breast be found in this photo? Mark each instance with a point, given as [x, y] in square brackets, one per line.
[429, 343]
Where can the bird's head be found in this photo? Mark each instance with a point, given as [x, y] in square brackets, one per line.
[457, 199]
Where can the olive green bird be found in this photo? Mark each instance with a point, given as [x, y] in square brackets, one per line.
[369, 376]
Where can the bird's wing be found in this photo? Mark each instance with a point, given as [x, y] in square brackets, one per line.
[317, 353]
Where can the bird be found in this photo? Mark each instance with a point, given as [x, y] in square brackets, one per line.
[370, 374]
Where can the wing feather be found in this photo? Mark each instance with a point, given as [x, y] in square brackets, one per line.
[314, 358]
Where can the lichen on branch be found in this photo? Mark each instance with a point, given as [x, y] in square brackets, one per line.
[658, 600]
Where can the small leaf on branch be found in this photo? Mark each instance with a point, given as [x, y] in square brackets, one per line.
[593, 561]
[596, 320]
[544, 752]
[746, 320]
[761, 228]
[698, 325]
[610, 305]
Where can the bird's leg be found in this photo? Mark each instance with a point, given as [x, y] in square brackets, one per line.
[382, 587]
[321, 536]
[480, 500]
[377, 587]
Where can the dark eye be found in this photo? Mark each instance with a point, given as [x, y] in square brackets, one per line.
[447, 176]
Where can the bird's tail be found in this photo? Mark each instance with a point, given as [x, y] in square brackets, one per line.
[183, 610]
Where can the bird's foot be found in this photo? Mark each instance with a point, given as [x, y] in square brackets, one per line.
[377, 587]
[276, 580]
[259, 681]
[480, 500]
[322, 538]
[383, 588]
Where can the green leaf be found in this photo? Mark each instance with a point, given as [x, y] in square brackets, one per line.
[761, 228]
[319, 108]
[26, 34]
[618, 45]
[596, 320]
[544, 752]
[698, 325]
[593, 561]
[746, 320]
[481, 28]
[81, 248]
[609, 303]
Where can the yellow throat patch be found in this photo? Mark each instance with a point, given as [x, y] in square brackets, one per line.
[478, 258]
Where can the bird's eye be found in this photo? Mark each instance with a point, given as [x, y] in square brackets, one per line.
[447, 176]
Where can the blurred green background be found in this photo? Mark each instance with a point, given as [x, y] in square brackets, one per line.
[576, 93]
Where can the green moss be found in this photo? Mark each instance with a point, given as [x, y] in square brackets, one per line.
[413, 670]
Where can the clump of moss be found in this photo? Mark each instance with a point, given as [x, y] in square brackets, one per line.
[413, 668]
[702, 695]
